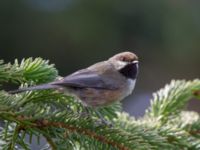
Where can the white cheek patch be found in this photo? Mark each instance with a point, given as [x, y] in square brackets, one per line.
[120, 65]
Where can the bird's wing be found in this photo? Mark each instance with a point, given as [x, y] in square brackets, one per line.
[87, 79]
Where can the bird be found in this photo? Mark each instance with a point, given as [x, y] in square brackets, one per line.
[100, 84]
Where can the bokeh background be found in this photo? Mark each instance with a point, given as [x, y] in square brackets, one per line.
[74, 34]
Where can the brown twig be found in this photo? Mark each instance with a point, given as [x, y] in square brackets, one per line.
[87, 132]
[196, 93]
[196, 132]
[41, 124]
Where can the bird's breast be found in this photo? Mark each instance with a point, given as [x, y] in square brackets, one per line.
[130, 87]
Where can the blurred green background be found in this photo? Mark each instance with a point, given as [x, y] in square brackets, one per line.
[74, 34]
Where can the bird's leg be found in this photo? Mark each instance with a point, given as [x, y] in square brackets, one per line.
[87, 113]
[103, 120]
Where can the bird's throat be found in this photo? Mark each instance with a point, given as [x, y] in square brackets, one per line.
[130, 71]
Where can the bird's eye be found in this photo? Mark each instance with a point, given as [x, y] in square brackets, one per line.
[124, 59]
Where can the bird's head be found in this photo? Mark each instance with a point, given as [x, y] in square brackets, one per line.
[126, 63]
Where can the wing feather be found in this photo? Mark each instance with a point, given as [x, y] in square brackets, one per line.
[87, 79]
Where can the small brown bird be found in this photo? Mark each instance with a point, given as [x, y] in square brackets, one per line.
[100, 84]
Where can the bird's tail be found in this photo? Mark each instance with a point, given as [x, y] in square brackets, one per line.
[32, 88]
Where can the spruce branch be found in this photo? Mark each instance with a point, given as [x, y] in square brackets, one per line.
[170, 100]
[62, 121]
[28, 70]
